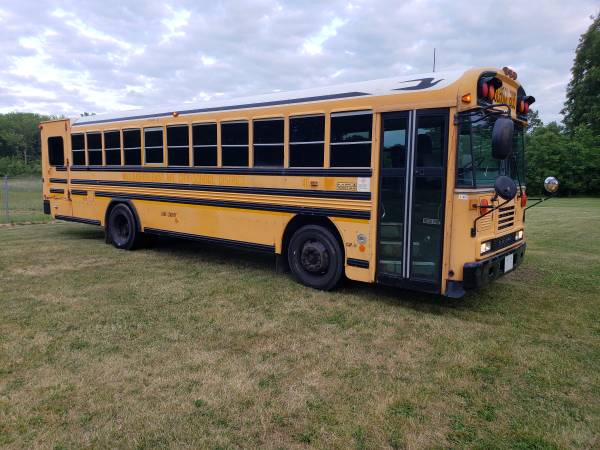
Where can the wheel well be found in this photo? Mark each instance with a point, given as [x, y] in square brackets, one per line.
[301, 220]
[116, 201]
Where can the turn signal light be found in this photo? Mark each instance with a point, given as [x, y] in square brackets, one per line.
[483, 206]
[523, 200]
[466, 98]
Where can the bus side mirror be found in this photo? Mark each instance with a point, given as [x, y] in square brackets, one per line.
[551, 185]
[505, 187]
[502, 138]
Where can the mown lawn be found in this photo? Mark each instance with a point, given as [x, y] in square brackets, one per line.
[190, 346]
[24, 199]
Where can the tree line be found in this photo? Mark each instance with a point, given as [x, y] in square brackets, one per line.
[569, 151]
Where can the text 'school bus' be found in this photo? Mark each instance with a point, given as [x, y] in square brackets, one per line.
[415, 182]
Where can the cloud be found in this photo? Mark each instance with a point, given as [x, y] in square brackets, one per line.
[66, 57]
[314, 44]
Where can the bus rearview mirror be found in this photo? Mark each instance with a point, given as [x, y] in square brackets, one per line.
[502, 138]
[551, 185]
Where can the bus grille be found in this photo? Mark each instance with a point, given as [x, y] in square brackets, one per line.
[485, 223]
[503, 241]
[506, 217]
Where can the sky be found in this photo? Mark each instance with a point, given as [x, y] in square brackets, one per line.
[66, 58]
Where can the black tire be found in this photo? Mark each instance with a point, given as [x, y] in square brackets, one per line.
[315, 257]
[122, 228]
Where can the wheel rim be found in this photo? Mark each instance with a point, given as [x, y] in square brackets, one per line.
[121, 229]
[314, 257]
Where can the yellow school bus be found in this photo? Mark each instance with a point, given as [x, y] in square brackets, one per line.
[415, 182]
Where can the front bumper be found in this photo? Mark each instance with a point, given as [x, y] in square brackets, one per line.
[479, 274]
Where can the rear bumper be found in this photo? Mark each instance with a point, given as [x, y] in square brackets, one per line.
[479, 274]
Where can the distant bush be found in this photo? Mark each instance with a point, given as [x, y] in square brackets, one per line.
[11, 166]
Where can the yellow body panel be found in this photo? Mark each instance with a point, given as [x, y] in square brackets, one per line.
[82, 197]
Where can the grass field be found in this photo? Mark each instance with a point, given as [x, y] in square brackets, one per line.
[189, 346]
[24, 201]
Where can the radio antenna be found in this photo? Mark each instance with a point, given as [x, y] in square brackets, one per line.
[434, 59]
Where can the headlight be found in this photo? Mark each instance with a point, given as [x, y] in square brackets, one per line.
[486, 247]
[519, 235]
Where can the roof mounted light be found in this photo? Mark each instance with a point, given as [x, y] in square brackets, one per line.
[509, 72]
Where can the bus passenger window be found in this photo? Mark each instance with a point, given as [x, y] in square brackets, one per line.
[132, 147]
[153, 145]
[94, 148]
[307, 141]
[78, 149]
[351, 139]
[112, 148]
[234, 143]
[178, 148]
[56, 151]
[204, 140]
[268, 142]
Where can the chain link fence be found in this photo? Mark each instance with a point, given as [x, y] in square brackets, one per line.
[21, 200]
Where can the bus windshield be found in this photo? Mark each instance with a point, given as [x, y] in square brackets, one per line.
[475, 165]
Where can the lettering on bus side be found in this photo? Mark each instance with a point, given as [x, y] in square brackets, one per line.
[345, 186]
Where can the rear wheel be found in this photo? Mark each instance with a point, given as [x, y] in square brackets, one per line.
[315, 257]
[122, 229]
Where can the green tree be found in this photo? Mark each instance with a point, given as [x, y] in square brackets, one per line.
[19, 135]
[583, 92]
[533, 120]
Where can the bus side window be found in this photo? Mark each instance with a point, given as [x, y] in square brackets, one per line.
[56, 151]
[132, 147]
[153, 145]
[234, 143]
[112, 148]
[268, 142]
[78, 149]
[307, 141]
[204, 141]
[178, 145]
[351, 139]
[94, 148]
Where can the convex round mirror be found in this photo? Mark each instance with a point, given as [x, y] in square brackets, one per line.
[502, 138]
[551, 185]
[505, 187]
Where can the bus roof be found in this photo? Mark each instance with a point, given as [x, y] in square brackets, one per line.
[386, 86]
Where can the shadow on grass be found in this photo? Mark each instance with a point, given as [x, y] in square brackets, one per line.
[223, 254]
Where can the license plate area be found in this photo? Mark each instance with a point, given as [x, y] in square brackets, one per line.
[508, 263]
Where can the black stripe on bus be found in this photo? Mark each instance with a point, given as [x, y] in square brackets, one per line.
[304, 172]
[60, 168]
[327, 212]
[212, 240]
[58, 180]
[78, 220]
[231, 107]
[57, 191]
[233, 189]
[363, 264]
[78, 192]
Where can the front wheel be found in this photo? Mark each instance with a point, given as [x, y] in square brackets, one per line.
[122, 229]
[315, 257]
